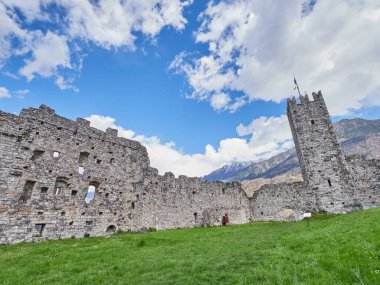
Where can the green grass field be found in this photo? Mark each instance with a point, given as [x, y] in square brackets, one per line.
[332, 250]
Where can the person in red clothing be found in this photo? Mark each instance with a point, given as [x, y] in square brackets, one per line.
[225, 220]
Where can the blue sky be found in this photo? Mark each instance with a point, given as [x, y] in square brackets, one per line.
[201, 83]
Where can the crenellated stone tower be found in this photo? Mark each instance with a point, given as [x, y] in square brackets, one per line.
[323, 165]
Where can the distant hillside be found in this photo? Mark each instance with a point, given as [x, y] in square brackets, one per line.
[354, 135]
[250, 186]
[359, 136]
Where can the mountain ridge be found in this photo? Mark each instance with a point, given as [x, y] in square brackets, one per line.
[354, 135]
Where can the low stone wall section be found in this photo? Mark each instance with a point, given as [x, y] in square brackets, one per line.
[282, 202]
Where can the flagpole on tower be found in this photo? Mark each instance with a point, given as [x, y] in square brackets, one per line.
[296, 87]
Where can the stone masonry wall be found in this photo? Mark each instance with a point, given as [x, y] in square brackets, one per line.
[51, 167]
[48, 163]
[289, 201]
[323, 165]
[366, 172]
[282, 202]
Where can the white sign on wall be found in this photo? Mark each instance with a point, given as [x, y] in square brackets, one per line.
[307, 215]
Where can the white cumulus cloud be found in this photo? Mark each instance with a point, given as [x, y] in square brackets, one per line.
[254, 47]
[269, 136]
[4, 93]
[49, 51]
[113, 23]
[219, 101]
[53, 49]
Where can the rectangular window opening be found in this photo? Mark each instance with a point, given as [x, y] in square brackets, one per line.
[39, 228]
[44, 190]
[37, 154]
[80, 170]
[83, 157]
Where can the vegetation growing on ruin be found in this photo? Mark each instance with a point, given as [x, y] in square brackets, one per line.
[332, 250]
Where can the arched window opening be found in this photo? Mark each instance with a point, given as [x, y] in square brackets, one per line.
[90, 194]
[61, 185]
[111, 229]
[92, 188]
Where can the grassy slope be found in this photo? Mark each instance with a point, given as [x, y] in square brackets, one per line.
[332, 250]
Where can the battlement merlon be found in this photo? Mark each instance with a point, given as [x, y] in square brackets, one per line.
[318, 96]
[42, 112]
[291, 104]
[83, 122]
[111, 133]
[292, 101]
[304, 100]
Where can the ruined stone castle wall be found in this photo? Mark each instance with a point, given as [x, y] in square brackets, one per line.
[282, 202]
[48, 163]
[366, 172]
[169, 202]
[51, 167]
[289, 201]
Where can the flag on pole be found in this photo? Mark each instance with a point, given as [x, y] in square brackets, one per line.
[296, 87]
